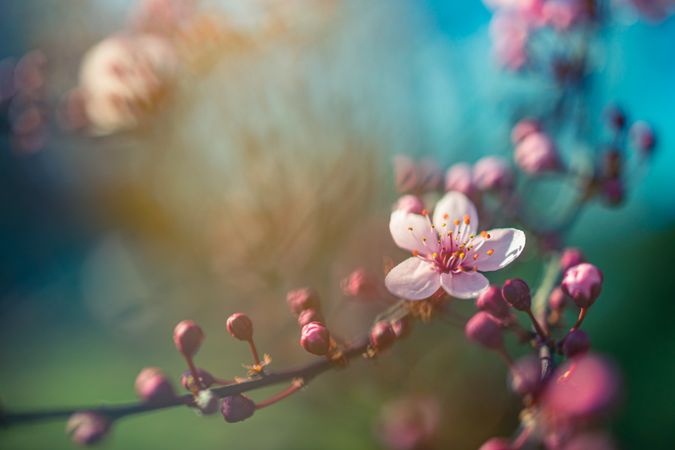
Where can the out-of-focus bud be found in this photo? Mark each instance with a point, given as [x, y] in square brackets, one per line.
[402, 327]
[576, 343]
[188, 381]
[492, 301]
[583, 284]
[537, 154]
[613, 192]
[459, 177]
[492, 173]
[188, 337]
[430, 175]
[240, 327]
[29, 73]
[510, 34]
[524, 128]
[613, 162]
[87, 428]
[485, 330]
[570, 258]
[496, 444]
[558, 299]
[643, 137]
[406, 175]
[300, 299]
[359, 283]
[236, 408]
[315, 338]
[410, 204]
[516, 292]
[590, 441]
[124, 79]
[583, 388]
[382, 336]
[309, 315]
[561, 14]
[409, 423]
[616, 117]
[153, 386]
[525, 375]
[206, 402]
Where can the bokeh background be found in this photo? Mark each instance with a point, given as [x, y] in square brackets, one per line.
[272, 170]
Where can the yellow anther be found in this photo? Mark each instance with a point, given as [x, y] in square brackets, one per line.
[490, 252]
[434, 255]
[415, 253]
[467, 219]
[456, 221]
[475, 256]
[445, 216]
[425, 212]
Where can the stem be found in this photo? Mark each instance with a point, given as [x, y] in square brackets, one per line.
[580, 319]
[194, 372]
[539, 302]
[540, 331]
[254, 351]
[114, 412]
[293, 388]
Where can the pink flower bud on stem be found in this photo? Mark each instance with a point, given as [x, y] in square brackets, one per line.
[240, 327]
[87, 428]
[310, 315]
[570, 258]
[315, 338]
[516, 292]
[382, 336]
[153, 386]
[236, 408]
[188, 337]
[583, 283]
[485, 330]
[575, 343]
[301, 299]
[496, 444]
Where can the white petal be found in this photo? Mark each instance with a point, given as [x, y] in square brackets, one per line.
[464, 284]
[422, 238]
[497, 252]
[454, 206]
[413, 279]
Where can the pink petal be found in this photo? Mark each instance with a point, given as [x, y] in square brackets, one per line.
[413, 279]
[497, 252]
[422, 238]
[454, 206]
[464, 284]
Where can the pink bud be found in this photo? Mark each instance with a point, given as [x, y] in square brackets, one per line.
[87, 428]
[616, 117]
[410, 204]
[590, 441]
[460, 178]
[516, 292]
[430, 175]
[382, 336]
[583, 283]
[301, 299]
[492, 173]
[576, 343]
[359, 283]
[523, 129]
[402, 327]
[583, 388]
[188, 337]
[571, 257]
[558, 299]
[496, 444]
[409, 423]
[188, 381]
[485, 330]
[613, 191]
[153, 386]
[492, 301]
[537, 154]
[643, 137]
[406, 175]
[315, 338]
[526, 375]
[309, 315]
[240, 327]
[236, 408]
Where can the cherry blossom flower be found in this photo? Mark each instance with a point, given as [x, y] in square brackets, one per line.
[447, 251]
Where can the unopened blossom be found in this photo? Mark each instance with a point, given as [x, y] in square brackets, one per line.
[123, 79]
[570, 257]
[406, 176]
[524, 128]
[525, 375]
[492, 173]
[485, 330]
[590, 441]
[360, 283]
[583, 388]
[583, 283]
[496, 444]
[613, 191]
[562, 14]
[409, 423]
[643, 137]
[448, 251]
[87, 428]
[153, 386]
[537, 154]
[492, 301]
[410, 203]
[459, 177]
[654, 10]
[510, 34]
